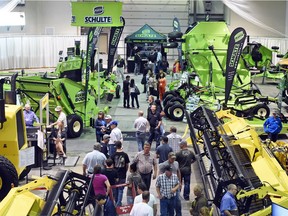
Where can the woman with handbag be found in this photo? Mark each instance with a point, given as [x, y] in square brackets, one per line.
[134, 92]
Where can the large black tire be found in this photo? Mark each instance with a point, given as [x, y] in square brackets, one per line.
[167, 99]
[75, 126]
[173, 93]
[261, 110]
[25, 172]
[176, 112]
[8, 176]
[166, 109]
[177, 100]
[175, 34]
[117, 92]
[170, 45]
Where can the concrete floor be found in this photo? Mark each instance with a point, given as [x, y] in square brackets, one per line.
[125, 117]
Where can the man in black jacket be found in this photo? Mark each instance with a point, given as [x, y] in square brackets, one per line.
[126, 91]
[137, 60]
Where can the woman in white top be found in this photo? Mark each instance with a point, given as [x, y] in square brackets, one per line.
[134, 92]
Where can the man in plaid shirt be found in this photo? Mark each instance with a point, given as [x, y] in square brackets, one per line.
[166, 187]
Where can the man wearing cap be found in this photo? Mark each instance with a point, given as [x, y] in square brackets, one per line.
[115, 135]
[29, 116]
[185, 158]
[175, 170]
[166, 186]
[108, 120]
[104, 144]
[141, 125]
[92, 159]
[61, 118]
[273, 126]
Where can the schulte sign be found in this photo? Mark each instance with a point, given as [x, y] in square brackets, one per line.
[93, 14]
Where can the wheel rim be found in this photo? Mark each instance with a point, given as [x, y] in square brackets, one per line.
[178, 112]
[76, 126]
[1, 183]
[262, 112]
[286, 93]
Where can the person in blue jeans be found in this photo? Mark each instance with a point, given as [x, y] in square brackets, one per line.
[166, 186]
[121, 164]
[155, 120]
[141, 125]
[99, 125]
[185, 158]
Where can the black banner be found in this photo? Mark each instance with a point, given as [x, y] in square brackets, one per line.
[177, 28]
[92, 39]
[115, 34]
[235, 46]
[176, 25]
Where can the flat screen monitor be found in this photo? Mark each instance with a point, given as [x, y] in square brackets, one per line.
[278, 210]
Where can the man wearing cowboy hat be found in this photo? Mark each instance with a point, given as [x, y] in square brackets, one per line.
[61, 118]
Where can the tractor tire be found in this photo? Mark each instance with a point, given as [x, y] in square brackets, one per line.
[8, 177]
[117, 92]
[25, 172]
[166, 109]
[75, 126]
[177, 112]
[173, 93]
[261, 110]
[178, 100]
[170, 45]
[275, 48]
[175, 34]
[167, 99]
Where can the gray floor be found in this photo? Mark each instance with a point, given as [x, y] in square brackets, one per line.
[82, 145]
[125, 117]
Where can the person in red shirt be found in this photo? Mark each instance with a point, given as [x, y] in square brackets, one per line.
[162, 85]
[176, 69]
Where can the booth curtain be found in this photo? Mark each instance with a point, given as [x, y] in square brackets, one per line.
[17, 52]
[244, 9]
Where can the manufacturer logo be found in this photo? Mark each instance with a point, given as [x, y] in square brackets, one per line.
[146, 31]
[98, 10]
[239, 36]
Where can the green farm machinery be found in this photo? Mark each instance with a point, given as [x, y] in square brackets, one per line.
[205, 46]
[69, 87]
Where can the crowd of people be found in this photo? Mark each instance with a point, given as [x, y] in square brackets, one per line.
[169, 165]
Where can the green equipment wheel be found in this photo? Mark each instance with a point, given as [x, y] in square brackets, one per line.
[168, 93]
[175, 35]
[177, 112]
[75, 126]
[261, 110]
[170, 45]
[166, 109]
[167, 99]
[8, 177]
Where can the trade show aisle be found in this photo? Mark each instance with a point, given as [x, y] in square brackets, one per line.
[125, 117]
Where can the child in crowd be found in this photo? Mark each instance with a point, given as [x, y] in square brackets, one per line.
[133, 180]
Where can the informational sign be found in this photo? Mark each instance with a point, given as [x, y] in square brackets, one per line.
[234, 51]
[27, 157]
[93, 14]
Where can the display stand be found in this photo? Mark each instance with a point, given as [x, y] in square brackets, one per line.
[44, 104]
